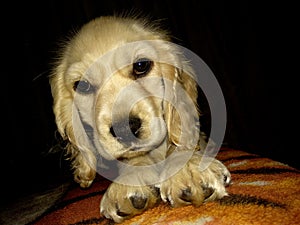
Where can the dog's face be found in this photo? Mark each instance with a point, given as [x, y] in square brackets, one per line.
[119, 89]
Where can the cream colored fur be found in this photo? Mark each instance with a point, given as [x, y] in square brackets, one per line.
[173, 132]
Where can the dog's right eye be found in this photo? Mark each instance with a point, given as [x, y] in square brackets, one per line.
[141, 67]
[83, 87]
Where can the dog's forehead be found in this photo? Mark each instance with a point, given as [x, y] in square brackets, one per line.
[106, 33]
[106, 45]
[91, 64]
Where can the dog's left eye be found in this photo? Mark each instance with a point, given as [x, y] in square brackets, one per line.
[141, 67]
[83, 87]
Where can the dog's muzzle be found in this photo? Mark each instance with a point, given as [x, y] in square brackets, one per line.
[129, 133]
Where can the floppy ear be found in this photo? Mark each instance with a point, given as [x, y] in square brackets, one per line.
[62, 102]
[84, 164]
[182, 113]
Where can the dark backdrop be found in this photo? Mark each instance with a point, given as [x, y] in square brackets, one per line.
[234, 38]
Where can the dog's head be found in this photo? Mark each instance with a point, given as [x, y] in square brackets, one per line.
[121, 88]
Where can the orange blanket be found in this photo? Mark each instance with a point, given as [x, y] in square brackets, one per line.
[263, 192]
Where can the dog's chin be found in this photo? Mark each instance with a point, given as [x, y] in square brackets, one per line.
[116, 150]
[137, 150]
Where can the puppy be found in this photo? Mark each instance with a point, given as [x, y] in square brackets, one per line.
[125, 94]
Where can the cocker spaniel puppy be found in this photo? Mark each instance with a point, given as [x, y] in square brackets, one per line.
[125, 97]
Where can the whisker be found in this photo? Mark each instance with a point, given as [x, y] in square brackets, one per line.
[39, 75]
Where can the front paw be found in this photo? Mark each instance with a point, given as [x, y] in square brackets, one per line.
[121, 201]
[194, 185]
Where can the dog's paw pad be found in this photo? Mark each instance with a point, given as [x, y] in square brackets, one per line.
[138, 202]
[207, 192]
[186, 195]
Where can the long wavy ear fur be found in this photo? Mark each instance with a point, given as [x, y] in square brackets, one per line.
[59, 95]
[182, 115]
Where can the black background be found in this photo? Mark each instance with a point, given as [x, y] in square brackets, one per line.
[236, 39]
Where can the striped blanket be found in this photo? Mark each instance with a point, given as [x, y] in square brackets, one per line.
[263, 191]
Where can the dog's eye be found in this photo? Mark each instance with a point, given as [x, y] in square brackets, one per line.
[83, 87]
[141, 67]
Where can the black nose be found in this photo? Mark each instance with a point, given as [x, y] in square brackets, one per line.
[126, 131]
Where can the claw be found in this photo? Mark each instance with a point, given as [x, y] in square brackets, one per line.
[122, 214]
[227, 180]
